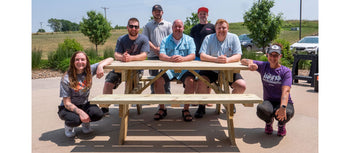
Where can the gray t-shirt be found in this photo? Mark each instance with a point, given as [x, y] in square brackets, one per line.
[133, 47]
[156, 32]
[81, 94]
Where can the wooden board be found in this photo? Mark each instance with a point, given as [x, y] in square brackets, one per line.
[191, 65]
[176, 98]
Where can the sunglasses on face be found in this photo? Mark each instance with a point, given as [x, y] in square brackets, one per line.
[274, 55]
[133, 26]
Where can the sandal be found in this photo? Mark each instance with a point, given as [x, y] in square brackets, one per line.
[185, 117]
[160, 116]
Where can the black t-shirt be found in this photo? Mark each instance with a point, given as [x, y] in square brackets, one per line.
[198, 33]
[133, 47]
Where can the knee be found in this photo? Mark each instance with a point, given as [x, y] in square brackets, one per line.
[239, 86]
[73, 122]
[189, 81]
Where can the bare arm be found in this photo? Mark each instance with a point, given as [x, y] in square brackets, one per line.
[250, 64]
[99, 71]
[154, 48]
[220, 59]
[177, 58]
[71, 107]
[281, 112]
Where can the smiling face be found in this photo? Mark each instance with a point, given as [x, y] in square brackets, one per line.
[133, 28]
[274, 58]
[178, 28]
[80, 63]
[203, 16]
[221, 31]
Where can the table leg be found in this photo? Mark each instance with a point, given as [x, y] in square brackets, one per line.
[124, 124]
[230, 126]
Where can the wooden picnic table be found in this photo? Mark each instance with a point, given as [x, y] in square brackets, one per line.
[130, 75]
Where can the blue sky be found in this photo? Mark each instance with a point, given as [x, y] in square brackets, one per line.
[119, 11]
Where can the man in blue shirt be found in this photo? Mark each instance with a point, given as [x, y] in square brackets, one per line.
[220, 47]
[177, 47]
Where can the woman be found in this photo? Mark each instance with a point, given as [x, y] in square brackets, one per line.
[75, 86]
[277, 81]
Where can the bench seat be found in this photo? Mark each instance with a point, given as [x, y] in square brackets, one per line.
[176, 98]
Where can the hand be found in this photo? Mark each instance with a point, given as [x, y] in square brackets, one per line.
[126, 57]
[84, 117]
[156, 50]
[281, 114]
[222, 59]
[177, 58]
[253, 67]
[99, 72]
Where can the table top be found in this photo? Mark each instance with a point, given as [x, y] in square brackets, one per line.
[190, 65]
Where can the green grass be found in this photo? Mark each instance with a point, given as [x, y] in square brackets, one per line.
[48, 42]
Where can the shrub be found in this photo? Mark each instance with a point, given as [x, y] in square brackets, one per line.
[91, 53]
[36, 57]
[108, 52]
[287, 55]
[64, 50]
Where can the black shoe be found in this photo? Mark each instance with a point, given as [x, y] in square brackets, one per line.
[200, 111]
[105, 110]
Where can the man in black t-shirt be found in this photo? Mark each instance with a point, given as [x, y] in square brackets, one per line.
[202, 29]
[130, 47]
[198, 33]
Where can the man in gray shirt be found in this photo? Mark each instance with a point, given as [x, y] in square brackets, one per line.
[156, 30]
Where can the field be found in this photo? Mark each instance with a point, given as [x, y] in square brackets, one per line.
[48, 42]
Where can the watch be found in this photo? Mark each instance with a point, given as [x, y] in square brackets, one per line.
[284, 106]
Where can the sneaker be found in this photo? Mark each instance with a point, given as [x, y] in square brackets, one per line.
[281, 130]
[200, 111]
[86, 128]
[268, 128]
[69, 131]
[105, 110]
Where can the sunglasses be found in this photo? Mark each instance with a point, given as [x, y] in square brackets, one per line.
[274, 55]
[133, 26]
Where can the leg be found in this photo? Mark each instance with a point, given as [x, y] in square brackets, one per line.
[71, 119]
[202, 89]
[282, 124]
[112, 81]
[159, 89]
[265, 111]
[189, 89]
[94, 112]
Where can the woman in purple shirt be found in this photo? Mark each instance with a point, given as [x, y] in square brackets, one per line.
[277, 81]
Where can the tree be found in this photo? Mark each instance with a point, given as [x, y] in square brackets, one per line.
[62, 25]
[41, 30]
[96, 27]
[190, 22]
[262, 24]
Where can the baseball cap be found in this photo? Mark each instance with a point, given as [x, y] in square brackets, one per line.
[203, 9]
[274, 48]
[157, 7]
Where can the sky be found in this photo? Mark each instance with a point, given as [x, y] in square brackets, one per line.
[119, 11]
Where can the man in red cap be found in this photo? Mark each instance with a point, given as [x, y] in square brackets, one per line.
[198, 33]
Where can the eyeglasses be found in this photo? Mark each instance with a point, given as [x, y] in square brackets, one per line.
[133, 26]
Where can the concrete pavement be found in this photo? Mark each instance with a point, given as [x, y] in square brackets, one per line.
[171, 134]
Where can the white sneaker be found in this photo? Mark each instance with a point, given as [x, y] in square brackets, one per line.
[69, 131]
[86, 128]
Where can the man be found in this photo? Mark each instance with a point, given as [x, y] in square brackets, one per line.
[221, 47]
[202, 29]
[198, 33]
[177, 47]
[156, 30]
[130, 47]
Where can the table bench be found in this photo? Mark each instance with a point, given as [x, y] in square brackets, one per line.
[124, 100]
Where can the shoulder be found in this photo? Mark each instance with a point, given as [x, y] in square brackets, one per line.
[142, 37]
[123, 37]
[187, 37]
[65, 78]
[167, 23]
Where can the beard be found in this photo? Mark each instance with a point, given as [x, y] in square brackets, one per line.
[157, 17]
[133, 33]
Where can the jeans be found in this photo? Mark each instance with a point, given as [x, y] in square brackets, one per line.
[73, 120]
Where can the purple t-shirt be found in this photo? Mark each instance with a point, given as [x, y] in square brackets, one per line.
[273, 80]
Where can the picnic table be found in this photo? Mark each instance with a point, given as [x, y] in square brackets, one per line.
[134, 88]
